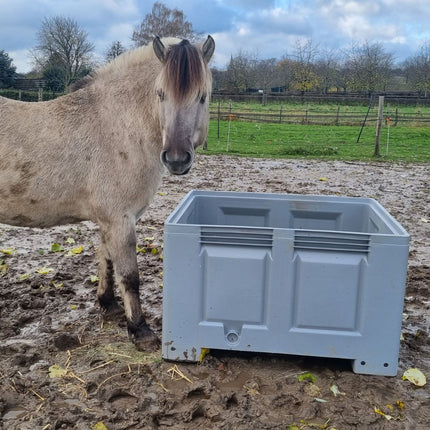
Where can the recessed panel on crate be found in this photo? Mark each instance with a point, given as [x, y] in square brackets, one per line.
[234, 283]
[327, 290]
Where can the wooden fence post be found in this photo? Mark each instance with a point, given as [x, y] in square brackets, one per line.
[219, 114]
[379, 126]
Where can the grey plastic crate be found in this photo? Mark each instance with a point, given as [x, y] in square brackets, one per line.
[305, 275]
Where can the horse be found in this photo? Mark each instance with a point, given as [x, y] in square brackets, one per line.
[98, 154]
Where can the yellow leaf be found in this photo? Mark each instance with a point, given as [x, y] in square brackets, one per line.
[415, 376]
[3, 268]
[44, 270]
[154, 251]
[100, 426]
[73, 307]
[70, 241]
[8, 251]
[161, 193]
[56, 371]
[203, 353]
[323, 179]
[24, 277]
[424, 220]
[75, 251]
[378, 411]
[58, 286]
[335, 390]
[94, 278]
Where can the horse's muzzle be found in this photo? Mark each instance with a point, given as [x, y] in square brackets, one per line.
[177, 164]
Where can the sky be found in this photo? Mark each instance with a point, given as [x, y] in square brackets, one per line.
[260, 28]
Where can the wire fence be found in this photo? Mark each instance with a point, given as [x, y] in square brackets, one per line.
[305, 115]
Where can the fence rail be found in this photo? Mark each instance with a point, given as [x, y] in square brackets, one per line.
[307, 116]
[397, 97]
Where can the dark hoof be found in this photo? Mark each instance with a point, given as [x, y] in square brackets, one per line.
[112, 312]
[149, 343]
[143, 337]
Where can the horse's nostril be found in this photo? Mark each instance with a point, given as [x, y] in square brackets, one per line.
[164, 157]
[189, 157]
[184, 158]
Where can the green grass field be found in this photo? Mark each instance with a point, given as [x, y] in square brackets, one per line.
[405, 143]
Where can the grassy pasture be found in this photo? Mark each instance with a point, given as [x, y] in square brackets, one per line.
[407, 141]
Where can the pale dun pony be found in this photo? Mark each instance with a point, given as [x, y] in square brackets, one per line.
[98, 154]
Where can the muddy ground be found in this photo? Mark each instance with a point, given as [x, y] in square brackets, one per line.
[51, 318]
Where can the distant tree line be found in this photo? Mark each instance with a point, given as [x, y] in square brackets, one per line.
[364, 68]
[64, 54]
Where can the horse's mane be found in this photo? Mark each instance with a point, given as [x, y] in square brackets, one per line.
[126, 58]
[184, 75]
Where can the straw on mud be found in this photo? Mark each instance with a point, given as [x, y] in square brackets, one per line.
[69, 358]
[97, 367]
[113, 376]
[37, 395]
[72, 375]
[175, 372]
[162, 386]
[120, 355]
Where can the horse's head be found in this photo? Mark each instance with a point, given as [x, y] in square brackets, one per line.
[183, 90]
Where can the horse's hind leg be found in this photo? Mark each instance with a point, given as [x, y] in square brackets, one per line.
[121, 245]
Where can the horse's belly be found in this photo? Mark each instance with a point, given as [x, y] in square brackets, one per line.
[30, 213]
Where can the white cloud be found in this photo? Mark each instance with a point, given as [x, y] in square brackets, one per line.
[21, 60]
[269, 27]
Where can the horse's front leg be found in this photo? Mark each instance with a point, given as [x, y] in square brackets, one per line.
[105, 290]
[121, 246]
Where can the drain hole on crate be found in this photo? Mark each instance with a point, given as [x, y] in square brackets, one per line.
[386, 364]
[363, 363]
[232, 337]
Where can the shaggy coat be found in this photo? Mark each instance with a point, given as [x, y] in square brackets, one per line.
[98, 153]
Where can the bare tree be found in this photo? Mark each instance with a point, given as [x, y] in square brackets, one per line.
[304, 70]
[368, 67]
[241, 72]
[163, 22]
[417, 69]
[265, 74]
[328, 69]
[114, 50]
[285, 73]
[64, 45]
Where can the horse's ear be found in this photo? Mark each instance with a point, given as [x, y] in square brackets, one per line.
[159, 49]
[208, 49]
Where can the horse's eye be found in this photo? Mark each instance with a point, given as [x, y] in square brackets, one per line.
[160, 94]
[203, 99]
